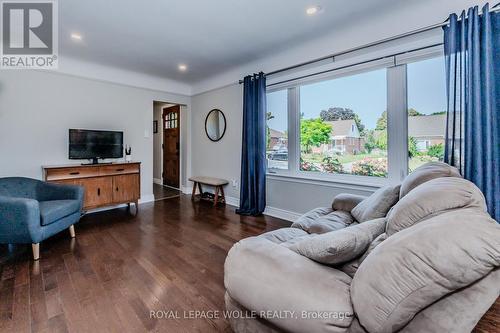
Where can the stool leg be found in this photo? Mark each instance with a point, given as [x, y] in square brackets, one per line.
[222, 195]
[216, 198]
[194, 191]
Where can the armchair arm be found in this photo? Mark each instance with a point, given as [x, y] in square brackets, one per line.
[50, 191]
[346, 201]
[19, 220]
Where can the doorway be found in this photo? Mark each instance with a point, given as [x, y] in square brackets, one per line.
[166, 150]
[171, 146]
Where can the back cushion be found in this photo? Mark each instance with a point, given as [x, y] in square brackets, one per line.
[19, 187]
[418, 266]
[376, 205]
[340, 246]
[433, 197]
[425, 173]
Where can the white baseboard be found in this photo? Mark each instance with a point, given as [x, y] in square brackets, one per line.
[282, 214]
[147, 198]
[157, 181]
[186, 189]
[270, 211]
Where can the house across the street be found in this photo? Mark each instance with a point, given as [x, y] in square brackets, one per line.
[427, 130]
[345, 138]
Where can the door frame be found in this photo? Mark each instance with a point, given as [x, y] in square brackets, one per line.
[161, 130]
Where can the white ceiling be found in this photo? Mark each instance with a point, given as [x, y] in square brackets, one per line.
[154, 36]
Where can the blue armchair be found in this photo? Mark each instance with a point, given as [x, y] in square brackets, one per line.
[32, 210]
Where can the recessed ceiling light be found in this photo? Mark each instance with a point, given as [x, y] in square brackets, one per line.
[313, 10]
[76, 36]
[182, 67]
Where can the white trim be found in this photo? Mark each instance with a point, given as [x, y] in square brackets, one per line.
[233, 201]
[94, 71]
[355, 184]
[187, 189]
[269, 211]
[157, 181]
[282, 214]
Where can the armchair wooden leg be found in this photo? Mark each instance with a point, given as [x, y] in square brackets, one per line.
[36, 251]
[72, 231]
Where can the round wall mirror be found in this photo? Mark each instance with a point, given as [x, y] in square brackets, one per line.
[215, 125]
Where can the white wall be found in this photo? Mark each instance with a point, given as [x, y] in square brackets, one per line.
[37, 108]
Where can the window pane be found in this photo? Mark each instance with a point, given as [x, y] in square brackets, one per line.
[277, 130]
[426, 111]
[343, 125]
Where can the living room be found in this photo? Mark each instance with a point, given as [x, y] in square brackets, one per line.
[176, 166]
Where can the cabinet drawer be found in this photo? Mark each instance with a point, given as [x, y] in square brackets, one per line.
[119, 169]
[70, 173]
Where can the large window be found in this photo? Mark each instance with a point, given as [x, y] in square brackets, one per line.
[368, 124]
[277, 130]
[426, 111]
[340, 130]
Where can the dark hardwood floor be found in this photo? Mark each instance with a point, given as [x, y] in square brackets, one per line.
[164, 192]
[120, 267]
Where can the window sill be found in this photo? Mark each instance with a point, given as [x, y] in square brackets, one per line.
[342, 181]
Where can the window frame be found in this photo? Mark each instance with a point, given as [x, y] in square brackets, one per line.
[397, 121]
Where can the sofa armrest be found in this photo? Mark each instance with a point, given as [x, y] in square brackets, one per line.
[346, 201]
[19, 220]
[263, 276]
[51, 191]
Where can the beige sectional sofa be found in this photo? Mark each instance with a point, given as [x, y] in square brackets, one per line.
[422, 256]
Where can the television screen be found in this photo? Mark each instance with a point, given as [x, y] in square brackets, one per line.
[91, 144]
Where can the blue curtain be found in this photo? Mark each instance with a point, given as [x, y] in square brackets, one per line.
[472, 51]
[253, 152]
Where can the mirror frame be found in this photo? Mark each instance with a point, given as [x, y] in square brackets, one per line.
[225, 125]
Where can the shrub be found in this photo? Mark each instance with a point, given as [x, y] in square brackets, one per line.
[332, 165]
[307, 166]
[436, 151]
[370, 167]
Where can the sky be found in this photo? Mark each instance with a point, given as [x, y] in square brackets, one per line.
[366, 94]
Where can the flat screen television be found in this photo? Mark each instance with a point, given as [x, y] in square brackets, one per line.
[94, 144]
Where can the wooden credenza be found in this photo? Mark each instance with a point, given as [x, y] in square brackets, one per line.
[105, 184]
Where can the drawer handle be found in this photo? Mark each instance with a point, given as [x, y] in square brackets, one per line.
[74, 173]
[98, 191]
[117, 189]
[120, 169]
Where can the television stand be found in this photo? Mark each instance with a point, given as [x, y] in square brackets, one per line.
[105, 185]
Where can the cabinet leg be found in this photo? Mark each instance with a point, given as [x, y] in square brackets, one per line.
[136, 207]
[35, 247]
[72, 231]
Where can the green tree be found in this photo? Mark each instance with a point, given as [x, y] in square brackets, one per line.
[370, 142]
[412, 147]
[381, 140]
[337, 113]
[436, 151]
[314, 132]
[269, 116]
[382, 120]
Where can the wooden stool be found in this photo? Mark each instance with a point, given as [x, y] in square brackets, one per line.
[218, 183]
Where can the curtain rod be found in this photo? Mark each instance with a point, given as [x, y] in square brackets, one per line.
[372, 44]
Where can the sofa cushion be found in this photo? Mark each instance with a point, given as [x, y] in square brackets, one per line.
[321, 215]
[51, 211]
[352, 266]
[376, 205]
[418, 266]
[346, 201]
[340, 246]
[269, 278]
[433, 197]
[334, 221]
[425, 173]
[283, 235]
